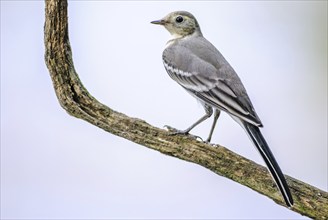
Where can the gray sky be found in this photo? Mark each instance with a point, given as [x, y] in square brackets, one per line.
[56, 166]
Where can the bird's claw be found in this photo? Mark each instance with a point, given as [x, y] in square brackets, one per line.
[212, 144]
[174, 131]
[208, 141]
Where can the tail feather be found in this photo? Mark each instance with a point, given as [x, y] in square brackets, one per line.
[261, 145]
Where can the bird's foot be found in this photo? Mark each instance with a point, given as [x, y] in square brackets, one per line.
[208, 141]
[174, 131]
[212, 144]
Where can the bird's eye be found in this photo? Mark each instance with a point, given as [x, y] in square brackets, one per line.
[179, 19]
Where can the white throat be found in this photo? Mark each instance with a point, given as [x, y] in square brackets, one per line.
[175, 37]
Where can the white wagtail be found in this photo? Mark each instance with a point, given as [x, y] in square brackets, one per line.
[196, 65]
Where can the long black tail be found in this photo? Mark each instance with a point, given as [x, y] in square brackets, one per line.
[260, 143]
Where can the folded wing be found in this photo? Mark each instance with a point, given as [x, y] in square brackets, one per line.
[206, 77]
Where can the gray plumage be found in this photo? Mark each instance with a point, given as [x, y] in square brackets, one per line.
[196, 65]
[201, 69]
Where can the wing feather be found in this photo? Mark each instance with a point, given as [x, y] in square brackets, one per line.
[209, 78]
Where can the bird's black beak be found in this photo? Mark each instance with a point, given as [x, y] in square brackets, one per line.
[160, 22]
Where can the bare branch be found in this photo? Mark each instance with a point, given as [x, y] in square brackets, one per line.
[77, 101]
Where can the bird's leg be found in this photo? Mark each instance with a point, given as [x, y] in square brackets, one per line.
[209, 112]
[216, 117]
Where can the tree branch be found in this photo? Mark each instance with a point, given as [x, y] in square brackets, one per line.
[77, 101]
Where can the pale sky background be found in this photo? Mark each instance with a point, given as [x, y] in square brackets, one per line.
[57, 166]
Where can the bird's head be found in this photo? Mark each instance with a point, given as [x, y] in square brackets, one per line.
[180, 24]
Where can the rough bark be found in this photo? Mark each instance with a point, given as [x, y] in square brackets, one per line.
[77, 101]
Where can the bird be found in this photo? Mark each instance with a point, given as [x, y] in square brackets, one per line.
[196, 65]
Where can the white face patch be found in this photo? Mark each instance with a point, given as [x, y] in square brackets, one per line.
[170, 29]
